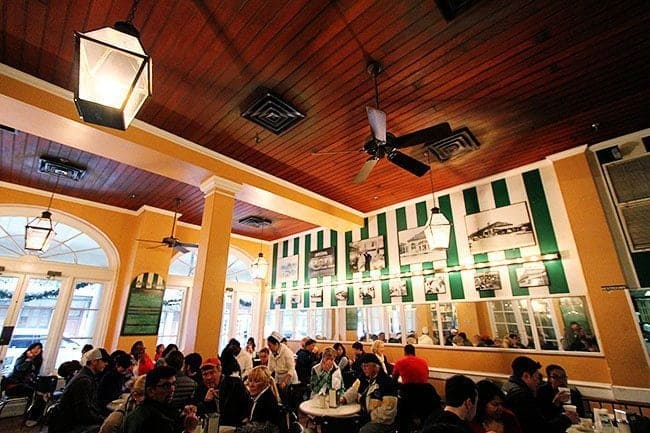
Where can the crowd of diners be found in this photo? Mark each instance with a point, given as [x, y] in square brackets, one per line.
[257, 391]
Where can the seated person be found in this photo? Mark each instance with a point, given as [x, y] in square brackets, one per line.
[326, 375]
[521, 398]
[111, 384]
[113, 422]
[233, 396]
[185, 387]
[552, 398]
[207, 394]
[264, 408]
[461, 397]
[377, 395]
[491, 416]
[22, 380]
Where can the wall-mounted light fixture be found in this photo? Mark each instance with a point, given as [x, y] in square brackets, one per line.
[113, 74]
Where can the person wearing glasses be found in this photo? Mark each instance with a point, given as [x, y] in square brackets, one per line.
[155, 413]
[556, 392]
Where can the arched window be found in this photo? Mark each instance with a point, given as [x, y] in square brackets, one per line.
[56, 296]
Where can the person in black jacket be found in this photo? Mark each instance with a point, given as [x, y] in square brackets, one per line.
[521, 398]
[111, 385]
[22, 380]
[552, 397]
[233, 396]
[264, 408]
[461, 396]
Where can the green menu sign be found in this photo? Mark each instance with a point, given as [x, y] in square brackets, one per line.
[144, 305]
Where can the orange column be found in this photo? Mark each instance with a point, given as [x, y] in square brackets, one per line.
[206, 302]
[613, 313]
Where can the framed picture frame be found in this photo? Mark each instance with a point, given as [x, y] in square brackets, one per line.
[397, 288]
[499, 229]
[414, 248]
[489, 280]
[529, 276]
[295, 297]
[367, 291]
[288, 268]
[316, 294]
[435, 285]
[367, 254]
[341, 294]
[322, 263]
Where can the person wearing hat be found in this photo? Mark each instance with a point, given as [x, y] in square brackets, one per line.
[425, 338]
[79, 410]
[377, 395]
[207, 394]
[282, 365]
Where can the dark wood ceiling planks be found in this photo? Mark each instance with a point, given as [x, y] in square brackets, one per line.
[529, 78]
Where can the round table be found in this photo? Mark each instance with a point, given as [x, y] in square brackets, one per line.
[313, 407]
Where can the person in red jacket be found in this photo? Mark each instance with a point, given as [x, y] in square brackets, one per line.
[144, 364]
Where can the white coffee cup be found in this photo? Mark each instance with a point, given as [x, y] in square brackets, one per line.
[567, 391]
[570, 408]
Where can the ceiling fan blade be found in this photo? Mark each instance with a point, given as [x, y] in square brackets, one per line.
[427, 135]
[377, 119]
[180, 248]
[150, 241]
[365, 170]
[408, 163]
[187, 244]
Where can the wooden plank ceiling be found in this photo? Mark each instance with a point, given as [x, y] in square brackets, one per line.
[529, 78]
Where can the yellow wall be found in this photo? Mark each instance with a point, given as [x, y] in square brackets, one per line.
[122, 228]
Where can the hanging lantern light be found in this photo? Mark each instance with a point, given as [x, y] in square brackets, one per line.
[259, 267]
[38, 232]
[438, 228]
[113, 74]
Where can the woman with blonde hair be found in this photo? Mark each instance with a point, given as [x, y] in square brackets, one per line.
[113, 423]
[378, 349]
[265, 404]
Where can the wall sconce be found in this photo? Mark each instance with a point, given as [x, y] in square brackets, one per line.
[113, 74]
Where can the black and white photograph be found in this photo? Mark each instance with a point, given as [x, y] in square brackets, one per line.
[490, 280]
[296, 297]
[414, 248]
[367, 291]
[367, 255]
[397, 288]
[322, 263]
[316, 294]
[341, 294]
[532, 276]
[499, 229]
[435, 285]
[288, 268]
[278, 299]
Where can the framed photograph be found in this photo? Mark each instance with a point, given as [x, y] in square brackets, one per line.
[322, 263]
[288, 268]
[397, 288]
[435, 285]
[367, 255]
[500, 229]
[341, 294]
[316, 294]
[532, 276]
[413, 248]
[490, 280]
[296, 297]
[367, 291]
[278, 299]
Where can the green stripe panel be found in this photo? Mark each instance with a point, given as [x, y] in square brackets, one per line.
[544, 229]
[348, 269]
[305, 298]
[319, 240]
[272, 301]
[470, 197]
[456, 286]
[284, 301]
[514, 283]
[452, 252]
[422, 213]
[296, 246]
[350, 300]
[285, 248]
[501, 199]
[274, 270]
[385, 292]
[400, 218]
[307, 251]
[334, 244]
[409, 291]
[382, 230]
[365, 235]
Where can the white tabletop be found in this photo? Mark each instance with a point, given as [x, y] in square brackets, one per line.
[313, 407]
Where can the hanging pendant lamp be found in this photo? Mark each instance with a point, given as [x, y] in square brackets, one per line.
[113, 74]
[438, 228]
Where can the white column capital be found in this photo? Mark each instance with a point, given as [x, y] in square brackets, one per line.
[220, 185]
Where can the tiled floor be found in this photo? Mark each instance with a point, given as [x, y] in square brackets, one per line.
[15, 424]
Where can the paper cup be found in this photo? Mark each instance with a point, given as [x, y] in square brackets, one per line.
[566, 391]
[570, 408]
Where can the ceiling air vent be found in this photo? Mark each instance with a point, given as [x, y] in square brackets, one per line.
[272, 113]
[255, 221]
[457, 144]
[60, 167]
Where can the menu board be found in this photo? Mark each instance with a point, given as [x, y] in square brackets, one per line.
[144, 305]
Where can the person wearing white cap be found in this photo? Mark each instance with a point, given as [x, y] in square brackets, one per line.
[424, 338]
[79, 409]
[282, 364]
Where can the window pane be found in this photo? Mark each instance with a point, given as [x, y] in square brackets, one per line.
[578, 333]
[170, 316]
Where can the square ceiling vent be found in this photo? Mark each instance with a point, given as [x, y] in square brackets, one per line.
[255, 221]
[273, 114]
[457, 144]
[60, 167]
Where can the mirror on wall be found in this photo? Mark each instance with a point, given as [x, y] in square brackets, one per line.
[559, 323]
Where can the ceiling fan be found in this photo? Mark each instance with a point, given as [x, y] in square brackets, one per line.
[171, 241]
[384, 144]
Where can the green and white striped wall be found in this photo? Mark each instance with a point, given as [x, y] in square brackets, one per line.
[535, 184]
